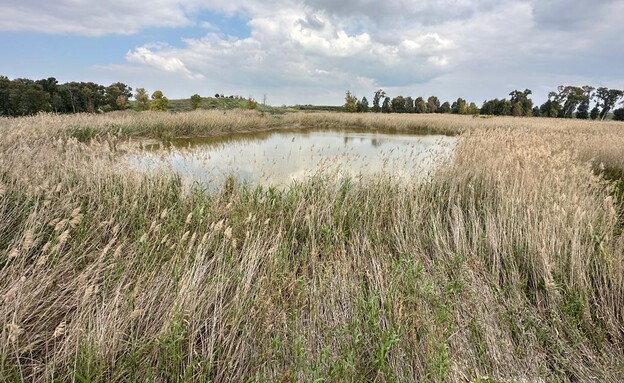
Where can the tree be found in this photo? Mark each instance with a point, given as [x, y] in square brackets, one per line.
[551, 108]
[26, 98]
[398, 104]
[142, 99]
[112, 94]
[606, 99]
[195, 101]
[420, 105]
[445, 107]
[618, 114]
[5, 84]
[459, 107]
[433, 104]
[385, 108]
[472, 109]
[488, 107]
[363, 105]
[121, 102]
[379, 94]
[159, 102]
[595, 112]
[569, 98]
[409, 105]
[50, 86]
[350, 105]
[521, 104]
[582, 111]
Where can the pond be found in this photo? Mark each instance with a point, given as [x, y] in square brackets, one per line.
[278, 158]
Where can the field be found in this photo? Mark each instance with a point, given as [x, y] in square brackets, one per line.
[506, 266]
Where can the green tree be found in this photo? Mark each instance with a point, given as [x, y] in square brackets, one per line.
[363, 105]
[379, 94]
[196, 100]
[350, 105]
[385, 107]
[595, 112]
[433, 104]
[420, 105]
[142, 99]
[50, 86]
[488, 106]
[606, 100]
[445, 107]
[112, 94]
[27, 97]
[618, 114]
[459, 106]
[472, 109]
[398, 104]
[5, 101]
[159, 101]
[550, 108]
[582, 111]
[569, 97]
[409, 105]
[521, 104]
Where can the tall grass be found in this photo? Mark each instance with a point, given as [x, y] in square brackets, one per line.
[506, 265]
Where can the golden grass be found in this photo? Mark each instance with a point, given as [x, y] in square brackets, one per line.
[507, 263]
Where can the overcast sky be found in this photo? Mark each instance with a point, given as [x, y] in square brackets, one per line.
[312, 51]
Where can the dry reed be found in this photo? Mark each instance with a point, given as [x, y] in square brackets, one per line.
[507, 264]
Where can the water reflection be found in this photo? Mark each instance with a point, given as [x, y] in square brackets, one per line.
[278, 158]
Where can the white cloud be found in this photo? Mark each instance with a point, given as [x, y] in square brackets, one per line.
[90, 17]
[149, 55]
[312, 51]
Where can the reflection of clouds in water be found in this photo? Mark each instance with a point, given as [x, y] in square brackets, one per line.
[280, 158]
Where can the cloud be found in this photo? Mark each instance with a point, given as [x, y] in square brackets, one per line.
[90, 17]
[568, 15]
[312, 51]
[311, 22]
[303, 50]
[149, 55]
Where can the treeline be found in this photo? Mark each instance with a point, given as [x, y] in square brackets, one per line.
[567, 102]
[21, 97]
[382, 103]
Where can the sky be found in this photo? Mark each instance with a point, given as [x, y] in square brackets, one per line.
[313, 51]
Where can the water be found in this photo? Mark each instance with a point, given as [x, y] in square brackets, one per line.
[281, 157]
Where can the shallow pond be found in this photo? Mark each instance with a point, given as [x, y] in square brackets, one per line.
[277, 158]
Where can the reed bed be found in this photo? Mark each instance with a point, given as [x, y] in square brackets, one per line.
[507, 265]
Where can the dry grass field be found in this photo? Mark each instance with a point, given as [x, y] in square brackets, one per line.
[506, 266]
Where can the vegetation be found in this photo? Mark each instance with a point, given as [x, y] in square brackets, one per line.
[195, 101]
[20, 97]
[568, 102]
[506, 265]
[159, 102]
[142, 100]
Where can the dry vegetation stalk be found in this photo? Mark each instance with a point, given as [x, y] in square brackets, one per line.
[508, 263]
